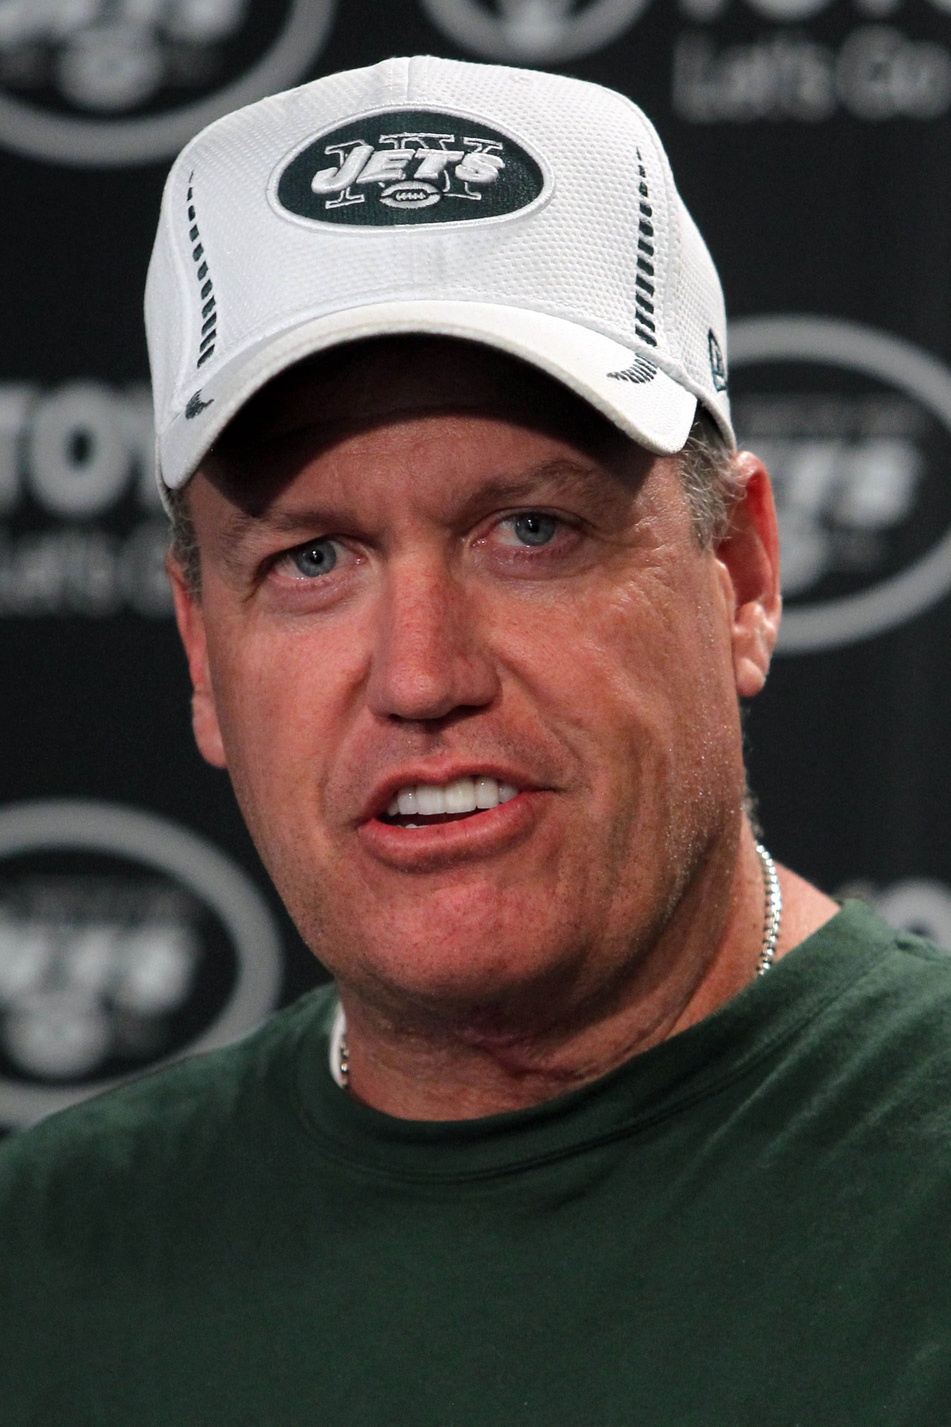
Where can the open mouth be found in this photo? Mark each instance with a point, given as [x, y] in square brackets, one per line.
[434, 821]
[429, 805]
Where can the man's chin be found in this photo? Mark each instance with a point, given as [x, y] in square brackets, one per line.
[457, 974]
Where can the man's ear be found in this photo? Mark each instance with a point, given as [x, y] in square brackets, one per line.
[749, 555]
[191, 626]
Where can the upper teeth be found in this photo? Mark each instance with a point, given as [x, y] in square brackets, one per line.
[462, 796]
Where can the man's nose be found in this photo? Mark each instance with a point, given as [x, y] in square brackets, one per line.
[428, 658]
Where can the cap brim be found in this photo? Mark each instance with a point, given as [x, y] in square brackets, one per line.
[624, 384]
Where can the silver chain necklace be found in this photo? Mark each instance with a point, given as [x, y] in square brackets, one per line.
[767, 952]
[774, 911]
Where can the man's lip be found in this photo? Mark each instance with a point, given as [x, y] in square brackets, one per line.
[441, 845]
[438, 775]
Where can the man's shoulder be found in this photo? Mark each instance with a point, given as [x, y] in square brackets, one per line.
[909, 965]
[890, 970]
[879, 1010]
[190, 1107]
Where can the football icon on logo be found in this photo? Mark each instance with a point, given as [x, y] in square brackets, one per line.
[410, 195]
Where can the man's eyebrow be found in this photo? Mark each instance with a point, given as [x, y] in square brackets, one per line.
[241, 527]
[240, 524]
[600, 484]
[241, 533]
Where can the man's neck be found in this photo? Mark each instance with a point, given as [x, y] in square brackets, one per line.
[454, 1070]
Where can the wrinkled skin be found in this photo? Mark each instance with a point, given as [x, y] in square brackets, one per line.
[371, 615]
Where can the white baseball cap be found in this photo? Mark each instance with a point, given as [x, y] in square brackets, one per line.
[527, 211]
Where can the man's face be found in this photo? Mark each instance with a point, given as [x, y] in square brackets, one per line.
[436, 570]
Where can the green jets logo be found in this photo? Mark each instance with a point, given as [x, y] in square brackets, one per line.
[408, 166]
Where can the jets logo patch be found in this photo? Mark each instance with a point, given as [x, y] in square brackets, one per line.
[407, 166]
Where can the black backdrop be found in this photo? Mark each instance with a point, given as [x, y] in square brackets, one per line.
[810, 140]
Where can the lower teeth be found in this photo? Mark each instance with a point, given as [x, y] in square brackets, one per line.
[438, 818]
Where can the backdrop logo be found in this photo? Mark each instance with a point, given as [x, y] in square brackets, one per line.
[408, 166]
[855, 426]
[125, 942]
[81, 527]
[534, 31]
[727, 71]
[128, 81]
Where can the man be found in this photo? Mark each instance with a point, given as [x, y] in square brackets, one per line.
[604, 1120]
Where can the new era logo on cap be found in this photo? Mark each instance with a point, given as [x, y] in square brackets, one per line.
[717, 362]
[407, 166]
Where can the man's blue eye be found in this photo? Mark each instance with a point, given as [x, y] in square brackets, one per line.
[535, 528]
[317, 559]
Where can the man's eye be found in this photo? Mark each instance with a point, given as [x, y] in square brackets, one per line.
[533, 527]
[318, 558]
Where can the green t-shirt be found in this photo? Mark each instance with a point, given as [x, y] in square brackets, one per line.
[747, 1226]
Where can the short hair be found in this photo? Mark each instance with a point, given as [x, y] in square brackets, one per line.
[183, 538]
[711, 478]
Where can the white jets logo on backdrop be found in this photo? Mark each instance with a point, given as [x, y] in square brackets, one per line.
[107, 972]
[128, 81]
[534, 31]
[411, 170]
[853, 425]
